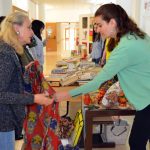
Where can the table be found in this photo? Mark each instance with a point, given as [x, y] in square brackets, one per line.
[90, 115]
[75, 99]
[59, 88]
[55, 82]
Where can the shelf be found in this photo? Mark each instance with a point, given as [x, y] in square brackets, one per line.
[86, 31]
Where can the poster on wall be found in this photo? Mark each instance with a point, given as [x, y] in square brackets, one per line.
[84, 22]
[145, 16]
[147, 7]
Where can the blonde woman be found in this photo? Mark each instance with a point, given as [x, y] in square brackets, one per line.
[15, 33]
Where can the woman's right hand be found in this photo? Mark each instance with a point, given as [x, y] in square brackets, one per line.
[43, 99]
[60, 96]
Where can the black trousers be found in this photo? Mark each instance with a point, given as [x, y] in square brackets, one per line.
[96, 60]
[140, 132]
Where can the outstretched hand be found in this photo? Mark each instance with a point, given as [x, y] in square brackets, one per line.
[60, 96]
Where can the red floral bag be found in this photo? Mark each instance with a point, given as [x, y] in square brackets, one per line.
[41, 122]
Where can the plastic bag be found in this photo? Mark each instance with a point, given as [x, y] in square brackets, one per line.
[118, 132]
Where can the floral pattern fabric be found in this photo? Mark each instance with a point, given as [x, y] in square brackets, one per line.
[103, 89]
[41, 122]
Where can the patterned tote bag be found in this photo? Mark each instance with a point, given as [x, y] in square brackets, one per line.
[41, 122]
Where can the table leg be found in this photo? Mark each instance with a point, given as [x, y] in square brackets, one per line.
[67, 110]
[88, 132]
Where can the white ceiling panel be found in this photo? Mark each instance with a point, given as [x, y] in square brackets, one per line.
[73, 3]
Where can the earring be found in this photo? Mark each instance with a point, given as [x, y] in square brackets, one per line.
[112, 31]
[18, 32]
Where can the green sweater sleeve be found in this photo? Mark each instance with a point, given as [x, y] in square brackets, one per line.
[117, 61]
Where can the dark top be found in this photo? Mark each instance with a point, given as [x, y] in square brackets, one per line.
[12, 96]
[26, 57]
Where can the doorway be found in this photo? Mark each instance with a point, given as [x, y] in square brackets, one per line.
[67, 38]
[51, 31]
[64, 37]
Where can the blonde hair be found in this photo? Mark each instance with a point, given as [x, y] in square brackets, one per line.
[8, 33]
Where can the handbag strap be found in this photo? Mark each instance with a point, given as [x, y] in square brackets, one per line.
[118, 125]
[112, 130]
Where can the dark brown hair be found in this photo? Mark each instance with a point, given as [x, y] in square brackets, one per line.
[111, 44]
[124, 23]
[37, 25]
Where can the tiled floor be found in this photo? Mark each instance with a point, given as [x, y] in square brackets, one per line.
[50, 61]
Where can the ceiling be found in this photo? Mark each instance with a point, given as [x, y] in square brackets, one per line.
[51, 4]
[69, 10]
[69, 2]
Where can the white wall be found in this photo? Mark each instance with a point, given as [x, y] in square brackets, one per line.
[65, 15]
[28, 6]
[5, 7]
[41, 12]
[136, 11]
[132, 7]
[23, 4]
[126, 4]
[145, 16]
[32, 7]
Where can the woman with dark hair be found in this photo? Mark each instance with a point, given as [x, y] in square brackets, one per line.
[97, 46]
[37, 51]
[130, 60]
[37, 27]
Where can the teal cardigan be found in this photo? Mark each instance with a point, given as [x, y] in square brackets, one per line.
[130, 60]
